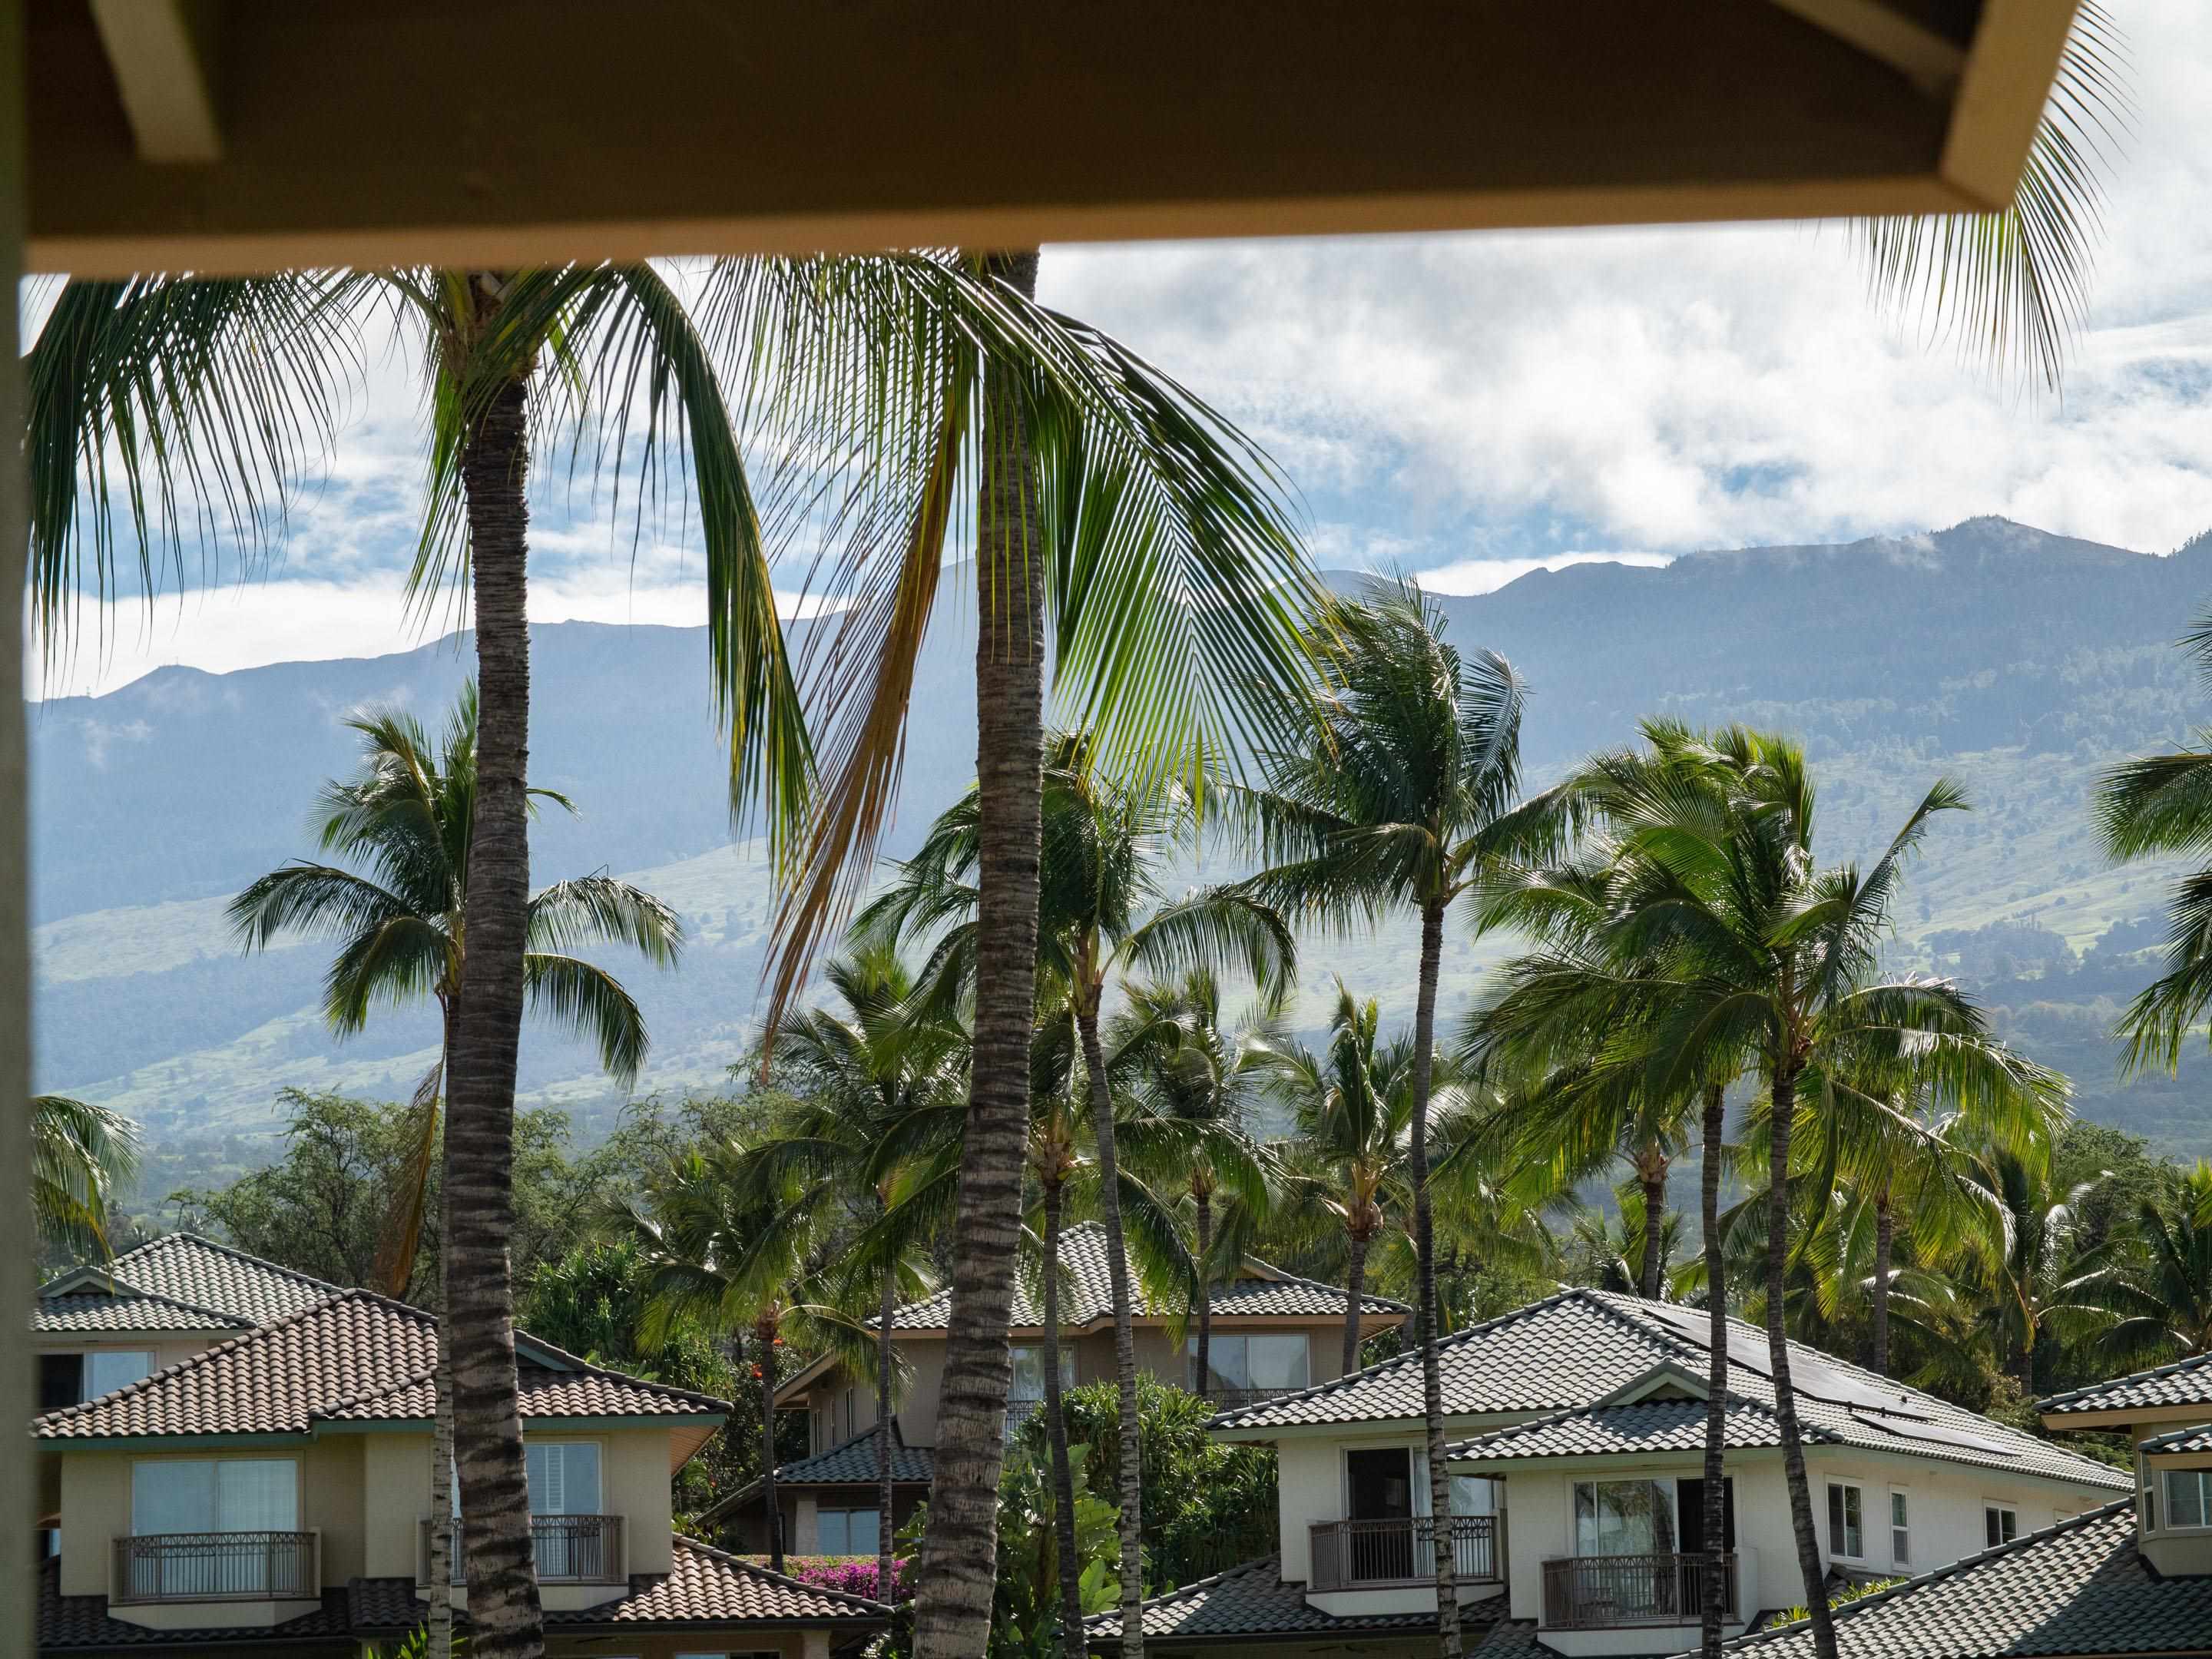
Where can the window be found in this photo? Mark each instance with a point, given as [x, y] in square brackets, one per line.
[108, 1370]
[2188, 1497]
[2000, 1523]
[208, 1494]
[564, 1476]
[1625, 1517]
[1028, 1371]
[847, 1532]
[1255, 1364]
[1900, 1528]
[1846, 1521]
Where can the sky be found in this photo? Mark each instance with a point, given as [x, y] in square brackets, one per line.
[1465, 407]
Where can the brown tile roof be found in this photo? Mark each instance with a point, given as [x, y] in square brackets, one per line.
[352, 1356]
[2078, 1587]
[126, 1309]
[1087, 1294]
[182, 1270]
[706, 1587]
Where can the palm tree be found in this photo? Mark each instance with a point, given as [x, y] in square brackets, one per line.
[1403, 794]
[1730, 949]
[1348, 1149]
[81, 1153]
[2049, 1288]
[873, 1088]
[1055, 1161]
[1102, 910]
[2164, 1295]
[1192, 1084]
[891, 380]
[407, 816]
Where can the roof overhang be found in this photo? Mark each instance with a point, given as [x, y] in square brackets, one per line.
[2123, 1417]
[236, 135]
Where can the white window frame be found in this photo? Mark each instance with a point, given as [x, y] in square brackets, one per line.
[599, 1446]
[1903, 1557]
[1838, 1521]
[1672, 1483]
[1999, 1506]
[2164, 1499]
[1221, 1337]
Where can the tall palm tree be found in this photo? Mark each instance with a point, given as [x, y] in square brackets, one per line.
[1192, 1084]
[1402, 794]
[2051, 1289]
[189, 405]
[1102, 910]
[872, 1087]
[1055, 1161]
[2164, 1295]
[81, 1153]
[1729, 948]
[407, 816]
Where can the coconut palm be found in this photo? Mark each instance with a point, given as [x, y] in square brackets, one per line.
[1403, 793]
[872, 1085]
[2163, 1291]
[189, 405]
[1191, 1084]
[1736, 951]
[81, 1153]
[1102, 910]
[407, 816]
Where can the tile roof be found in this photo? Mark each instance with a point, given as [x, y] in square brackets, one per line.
[2078, 1587]
[198, 1273]
[351, 1356]
[1571, 1351]
[1641, 1426]
[705, 1587]
[68, 1622]
[2185, 1382]
[853, 1463]
[2197, 1439]
[1249, 1601]
[126, 1309]
[1087, 1296]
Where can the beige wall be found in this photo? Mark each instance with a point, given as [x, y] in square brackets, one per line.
[96, 1507]
[734, 1640]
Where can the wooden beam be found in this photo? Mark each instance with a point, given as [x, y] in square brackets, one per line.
[161, 51]
[1921, 54]
[2001, 96]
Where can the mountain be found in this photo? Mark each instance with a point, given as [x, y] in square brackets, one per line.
[2019, 661]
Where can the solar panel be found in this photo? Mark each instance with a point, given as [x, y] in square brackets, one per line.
[1922, 1428]
[1809, 1374]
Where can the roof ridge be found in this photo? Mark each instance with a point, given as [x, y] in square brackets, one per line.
[189, 1236]
[205, 1355]
[1444, 1345]
[1287, 1278]
[593, 1366]
[238, 1321]
[2171, 1368]
[1950, 1569]
[700, 1546]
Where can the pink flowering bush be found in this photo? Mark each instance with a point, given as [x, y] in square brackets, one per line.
[855, 1576]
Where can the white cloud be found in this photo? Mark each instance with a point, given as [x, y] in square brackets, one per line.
[1487, 575]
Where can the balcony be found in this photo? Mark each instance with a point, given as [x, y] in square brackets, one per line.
[1619, 1592]
[570, 1549]
[218, 1567]
[1401, 1553]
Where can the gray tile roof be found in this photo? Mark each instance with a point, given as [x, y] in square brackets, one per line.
[351, 1356]
[71, 1622]
[1246, 1602]
[853, 1463]
[2079, 1587]
[2185, 1382]
[1642, 1426]
[77, 1312]
[2181, 1440]
[1086, 1295]
[1572, 1351]
[181, 1270]
[705, 1587]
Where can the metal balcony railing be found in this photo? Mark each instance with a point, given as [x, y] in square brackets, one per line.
[1370, 1554]
[1612, 1592]
[570, 1549]
[218, 1567]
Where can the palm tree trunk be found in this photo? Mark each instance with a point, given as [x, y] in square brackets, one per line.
[1125, 1339]
[1355, 1290]
[952, 1606]
[1652, 1167]
[439, 1627]
[1885, 1244]
[1785, 1097]
[764, 1339]
[1425, 1257]
[886, 1581]
[1055, 1429]
[1205, 1201]
[479, 1205]
[1714, 1577]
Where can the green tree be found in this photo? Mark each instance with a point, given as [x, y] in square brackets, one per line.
[1102, 910]
[1402, 794]
[2163, 1292]
[409, 815]
[80, 1154]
